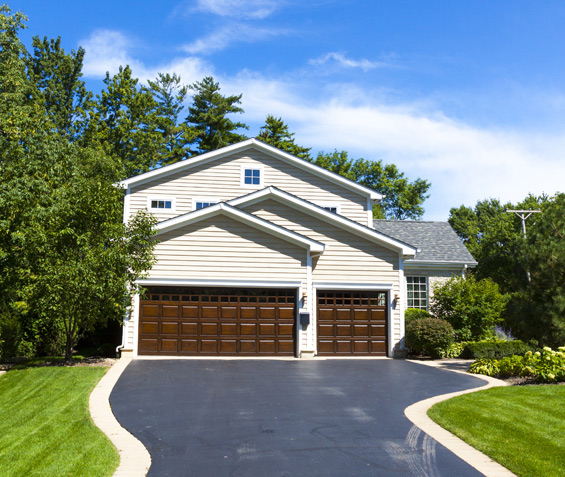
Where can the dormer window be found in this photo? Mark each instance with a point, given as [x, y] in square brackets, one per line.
[161, 204]
[251, 176]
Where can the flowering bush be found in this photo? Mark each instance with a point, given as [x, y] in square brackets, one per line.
[545, 366]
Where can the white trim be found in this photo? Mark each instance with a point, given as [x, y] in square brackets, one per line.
[258, 145]
[403, 299]
[411, 263]
[127, 198]
[181, 282]
[212, 201]
[370, 214]
[163, 198]
[353, 286]
[327, 216]
[135, 317]
[253, 166]
[310, 305]
[241, 216]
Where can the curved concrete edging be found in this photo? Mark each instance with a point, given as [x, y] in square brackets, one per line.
[418, 414]
[134, 457]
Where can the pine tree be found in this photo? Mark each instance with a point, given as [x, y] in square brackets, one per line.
[275, 132]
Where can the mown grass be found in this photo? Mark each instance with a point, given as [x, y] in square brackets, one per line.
[45, 425]
[521, 427]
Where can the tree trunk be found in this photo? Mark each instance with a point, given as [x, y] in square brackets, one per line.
[69, 348]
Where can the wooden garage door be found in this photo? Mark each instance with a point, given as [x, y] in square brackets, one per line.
[352, 323]
[196, 321]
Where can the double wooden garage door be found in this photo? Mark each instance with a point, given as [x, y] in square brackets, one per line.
[197, 321]
[182, 321]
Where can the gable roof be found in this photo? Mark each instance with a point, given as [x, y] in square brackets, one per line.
[260, 146]
[437, 242]
[241, 216]
[326, 216]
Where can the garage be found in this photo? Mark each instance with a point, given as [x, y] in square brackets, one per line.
[352, 323]
[217, 321]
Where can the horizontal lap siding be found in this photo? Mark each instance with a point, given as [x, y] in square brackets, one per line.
[221, 179]
[224, 249]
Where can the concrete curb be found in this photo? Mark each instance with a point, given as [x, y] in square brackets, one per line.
[134, 457]
[418, 414]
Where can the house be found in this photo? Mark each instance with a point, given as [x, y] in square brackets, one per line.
[264, 254]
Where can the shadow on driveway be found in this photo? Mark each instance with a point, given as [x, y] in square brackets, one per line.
[285, 418]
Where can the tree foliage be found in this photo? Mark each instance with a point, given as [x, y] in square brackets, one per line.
[473, 307]
[208, 114]
[275, 132]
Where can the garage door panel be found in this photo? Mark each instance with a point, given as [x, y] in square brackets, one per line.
[193, 321]
[352, 322]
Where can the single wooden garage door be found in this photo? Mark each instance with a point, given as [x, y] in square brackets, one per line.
[197, 321]
[352, 323]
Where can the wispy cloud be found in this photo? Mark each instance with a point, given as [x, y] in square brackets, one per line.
[257, 9]
[230, 34]
[343, 61]
[107, 50]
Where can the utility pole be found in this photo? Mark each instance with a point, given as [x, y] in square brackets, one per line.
[524, 214]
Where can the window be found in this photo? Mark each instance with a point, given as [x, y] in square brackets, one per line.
[200, 204]
[417, 288]
[161, 204]
[331, 209]
[251, 175]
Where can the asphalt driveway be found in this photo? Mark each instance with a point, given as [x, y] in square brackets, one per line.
[285, 418]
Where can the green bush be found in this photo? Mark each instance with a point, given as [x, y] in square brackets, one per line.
[546, 366]
[454, 350]
[415, 314]
[429, 336]
[486, 366]
[495, 349]
[473, 307]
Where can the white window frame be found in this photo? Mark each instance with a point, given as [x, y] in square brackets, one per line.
[210, 200]
[419, 300]
[258, 167]
[150, 199]
[329, 204]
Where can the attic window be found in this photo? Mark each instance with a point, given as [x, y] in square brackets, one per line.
[331, 208]
[200, 204]
[161, 204]
[251, 175]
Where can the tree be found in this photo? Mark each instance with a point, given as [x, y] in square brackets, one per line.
[125, 124]
[473, 307]
[170, 95]
[539, 307]
[275, 132]
[403, 199]
[57, 78]
[494, 237]
[208, 115]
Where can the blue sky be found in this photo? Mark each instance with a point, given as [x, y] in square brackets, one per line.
[469, 95]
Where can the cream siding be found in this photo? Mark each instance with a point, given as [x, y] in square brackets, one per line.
[221, 179]
[347, 258]
[435, 276]
[222, 248]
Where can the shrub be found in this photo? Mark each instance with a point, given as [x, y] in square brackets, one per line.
[473, 307]
[511, 366]
[454, 350]
[415, 314]
[486, 366]
[429, 336]
[495, 349]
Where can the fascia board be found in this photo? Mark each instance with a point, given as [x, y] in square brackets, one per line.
[410, 263]
[354, 227]
[266, 148]
[249, 219]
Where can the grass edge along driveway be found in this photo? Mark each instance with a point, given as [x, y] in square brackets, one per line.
[45, 424]
[520, 427]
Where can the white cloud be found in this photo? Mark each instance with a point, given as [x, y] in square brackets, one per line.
[107, 50]
[257, 9]
[229, 34]
[342, 61]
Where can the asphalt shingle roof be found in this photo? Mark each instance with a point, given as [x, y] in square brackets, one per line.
[435, 241]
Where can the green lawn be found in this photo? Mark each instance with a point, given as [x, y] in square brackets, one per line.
[45, 426]
[521, 427]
